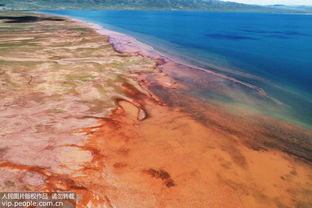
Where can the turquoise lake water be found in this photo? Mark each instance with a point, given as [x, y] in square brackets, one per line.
[271, 51]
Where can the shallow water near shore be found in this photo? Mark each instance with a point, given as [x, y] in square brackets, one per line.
[270, 51]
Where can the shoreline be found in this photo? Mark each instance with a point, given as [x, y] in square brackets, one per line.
[119, 40]
[124, 131]
[128, 44]
[125, 43]
[142, 49]
[275, 85]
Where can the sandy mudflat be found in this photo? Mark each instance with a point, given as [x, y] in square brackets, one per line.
[122, 129]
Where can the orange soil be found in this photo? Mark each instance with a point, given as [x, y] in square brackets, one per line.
[171, 160]
[168, 159]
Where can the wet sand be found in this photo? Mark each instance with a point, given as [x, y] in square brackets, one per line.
[132, 134]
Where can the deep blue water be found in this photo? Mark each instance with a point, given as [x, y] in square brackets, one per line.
[272, 51]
